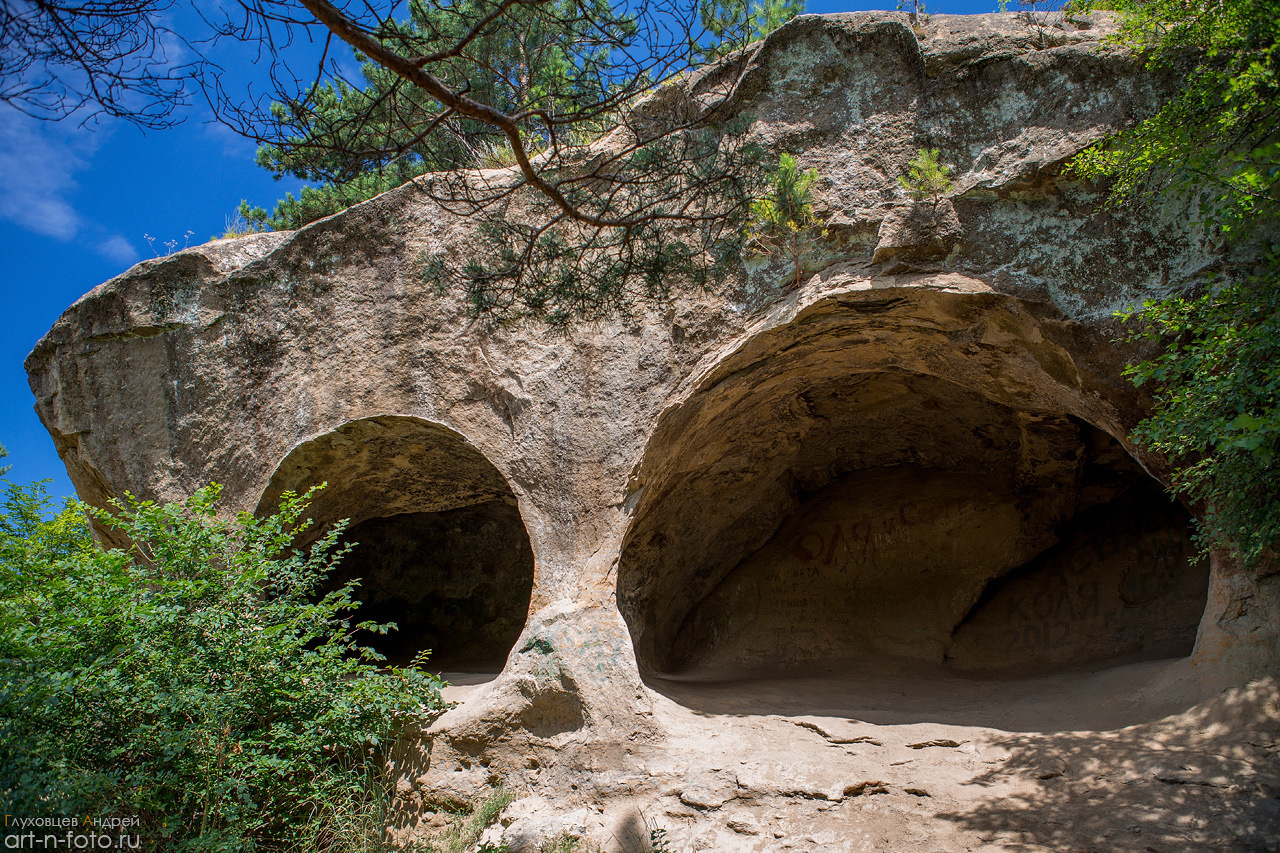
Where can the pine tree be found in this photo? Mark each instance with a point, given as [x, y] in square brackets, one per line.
[733, 24]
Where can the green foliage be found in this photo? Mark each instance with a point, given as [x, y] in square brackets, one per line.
[1218, 405]
[1215, 145]
[193, 681]
[574, 233]
[733, 24]
[1215, 141]
[926, 177]
[33, 537]
[353, 141]
[4, 469]
[314, 203]
[783, 221]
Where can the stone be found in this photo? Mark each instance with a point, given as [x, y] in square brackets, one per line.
[709, 791]
[839, 731]
[803, 533]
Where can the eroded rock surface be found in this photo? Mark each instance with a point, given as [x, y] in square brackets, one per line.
[866, 564]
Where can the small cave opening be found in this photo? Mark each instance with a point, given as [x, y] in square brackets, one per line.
[455, 582]
[913, 538]
[438, 546]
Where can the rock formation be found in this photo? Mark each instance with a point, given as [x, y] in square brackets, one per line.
[870, 564]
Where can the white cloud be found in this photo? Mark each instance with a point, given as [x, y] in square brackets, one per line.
[234, 146]
[118, 249]
[37, 164]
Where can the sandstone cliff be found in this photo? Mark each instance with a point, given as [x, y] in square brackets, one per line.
[885, 497]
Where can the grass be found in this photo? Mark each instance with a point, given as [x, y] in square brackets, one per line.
[358, 827]
[465, 829]
[237, 226]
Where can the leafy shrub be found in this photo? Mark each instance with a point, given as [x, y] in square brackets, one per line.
[196, 681]
[1218, 405]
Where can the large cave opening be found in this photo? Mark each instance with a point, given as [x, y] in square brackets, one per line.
[830, 509]
[437, 542]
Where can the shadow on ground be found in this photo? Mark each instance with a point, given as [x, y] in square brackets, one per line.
[891, 693]
[1205, 780]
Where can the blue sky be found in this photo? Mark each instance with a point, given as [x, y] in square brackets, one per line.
[76, 203]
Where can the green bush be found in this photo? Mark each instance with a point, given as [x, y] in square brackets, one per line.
[199, 681]
[1217, 393]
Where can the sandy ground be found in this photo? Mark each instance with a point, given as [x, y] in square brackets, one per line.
[1119, 759]
[464, 684]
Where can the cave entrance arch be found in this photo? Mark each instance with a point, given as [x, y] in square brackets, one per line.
[439, 544]
[900, 485]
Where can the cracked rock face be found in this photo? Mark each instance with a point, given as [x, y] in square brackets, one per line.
[852, 566]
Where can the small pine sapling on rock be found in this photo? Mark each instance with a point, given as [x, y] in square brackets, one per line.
[783, 222]
[926, 177]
